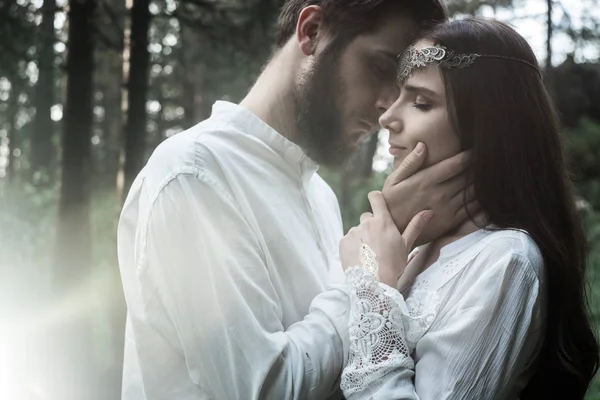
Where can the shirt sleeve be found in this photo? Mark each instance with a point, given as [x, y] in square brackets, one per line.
[479, 348]
[475, 351]
[379, 364]
[209, 293]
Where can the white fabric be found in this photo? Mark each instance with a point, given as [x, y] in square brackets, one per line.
[227, 243]
[377, 333]
[473, 321]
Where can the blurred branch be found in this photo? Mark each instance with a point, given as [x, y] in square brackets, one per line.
[56, 9]
[213, 5]
[208, 4]
[197, 25]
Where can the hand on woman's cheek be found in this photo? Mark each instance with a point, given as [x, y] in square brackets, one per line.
[420, 114]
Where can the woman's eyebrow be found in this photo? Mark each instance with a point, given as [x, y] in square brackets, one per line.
[419, 89]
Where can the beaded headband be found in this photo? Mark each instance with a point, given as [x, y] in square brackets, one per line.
[417, 58]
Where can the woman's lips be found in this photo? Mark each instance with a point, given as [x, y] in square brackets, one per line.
[397, 151]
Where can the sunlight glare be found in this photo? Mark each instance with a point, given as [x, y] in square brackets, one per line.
[56, 112]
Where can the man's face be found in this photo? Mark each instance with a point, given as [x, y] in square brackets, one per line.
[341, 96]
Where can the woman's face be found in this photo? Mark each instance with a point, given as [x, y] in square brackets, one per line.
[420, 115]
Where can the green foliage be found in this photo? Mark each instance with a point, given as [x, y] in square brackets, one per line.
[27, 221]
[583, 145]
[17, 31]
[357, 202]
[592, 224]
[201, 51]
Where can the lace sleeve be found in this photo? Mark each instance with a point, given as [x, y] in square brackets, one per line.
[378, 345]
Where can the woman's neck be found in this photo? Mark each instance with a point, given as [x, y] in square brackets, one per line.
[430, 252]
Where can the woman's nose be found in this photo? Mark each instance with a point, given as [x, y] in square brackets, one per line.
[390, 121]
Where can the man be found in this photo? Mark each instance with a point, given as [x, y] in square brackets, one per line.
[228, 240]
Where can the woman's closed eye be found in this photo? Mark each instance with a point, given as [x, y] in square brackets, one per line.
[422, 104]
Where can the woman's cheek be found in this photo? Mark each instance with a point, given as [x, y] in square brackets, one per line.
[440, 144]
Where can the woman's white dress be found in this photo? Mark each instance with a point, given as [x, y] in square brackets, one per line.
[470, 327]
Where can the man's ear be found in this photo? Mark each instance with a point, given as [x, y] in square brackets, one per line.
[310, 21]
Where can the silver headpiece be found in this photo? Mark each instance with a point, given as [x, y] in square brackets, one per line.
[417, 58]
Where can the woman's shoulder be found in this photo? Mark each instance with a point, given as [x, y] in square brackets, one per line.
[510, 247]
[494, 252]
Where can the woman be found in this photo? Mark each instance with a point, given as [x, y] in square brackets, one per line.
[495, 309]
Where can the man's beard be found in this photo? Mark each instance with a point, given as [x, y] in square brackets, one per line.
[318, 113]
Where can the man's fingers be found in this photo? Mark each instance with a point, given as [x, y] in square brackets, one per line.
[460, 194]
[466, 210]
[411, 164]
[473, 207]
[415, 227]
[378, 205]
[470, 196]
[450, 167]
[365, 216]
[455, 185]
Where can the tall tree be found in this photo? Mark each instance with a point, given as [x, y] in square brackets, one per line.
[11, 118]
[17, 33]
[73, 257]
[108, 86]
[42, 147]
[135, 69]
[188, 84]
[549, 34]
[137, 91]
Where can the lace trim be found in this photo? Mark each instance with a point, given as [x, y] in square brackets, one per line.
[448, 269]
[422, 305]
[378, 322]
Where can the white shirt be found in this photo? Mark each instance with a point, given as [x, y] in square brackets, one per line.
[470, 327]
[226, 243]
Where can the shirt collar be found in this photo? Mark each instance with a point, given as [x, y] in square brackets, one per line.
[465, 242]
[250, 124]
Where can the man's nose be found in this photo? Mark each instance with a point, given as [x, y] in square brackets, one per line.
[388, 96]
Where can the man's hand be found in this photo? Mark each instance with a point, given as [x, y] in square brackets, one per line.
[439, 188]
[377, 230]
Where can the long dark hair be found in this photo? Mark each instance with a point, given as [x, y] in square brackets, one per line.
[501, 109]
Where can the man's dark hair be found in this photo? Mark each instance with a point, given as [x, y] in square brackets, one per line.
[346, 19]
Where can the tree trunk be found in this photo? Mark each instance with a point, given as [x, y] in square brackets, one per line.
[11, 115]
[73, 361]
[136, 62]
[115, 301]
[549, 33]
[137, 88]
[126, 66]
[161, 123]
[188, 88]
[110, 81]
[43, 151]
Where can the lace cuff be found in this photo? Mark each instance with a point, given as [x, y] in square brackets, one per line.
[378, 320]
